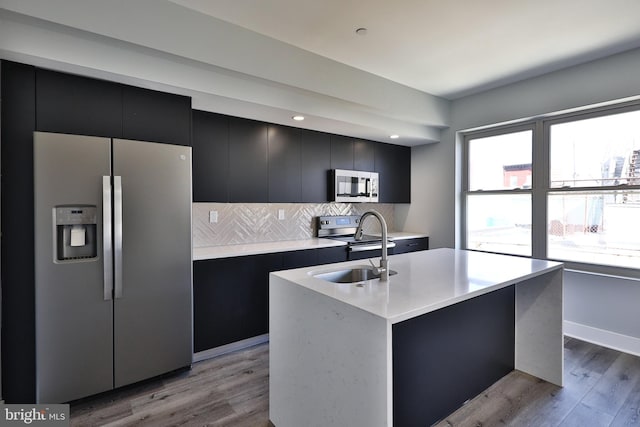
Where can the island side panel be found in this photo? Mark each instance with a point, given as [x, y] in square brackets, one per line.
[328, 361]
[539, 335]
[443, 358]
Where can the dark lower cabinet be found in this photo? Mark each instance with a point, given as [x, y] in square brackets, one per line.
[410, 245]
[231, 299]
[331, 255]
[442, 359]
[231, 295]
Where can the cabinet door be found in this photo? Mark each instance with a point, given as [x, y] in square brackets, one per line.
[248, 161]
[210, 157]
[299, 259]
[284, 164]
[18, 84]
[393, 163]
[331, 255]
[315, 159]
[364, 155]
[154, 116]
[341, 152]
[66, 103]
[231, 299]
[410, 245]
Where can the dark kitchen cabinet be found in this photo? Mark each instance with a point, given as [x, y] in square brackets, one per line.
[299, 259]
[35, 99]
[410, 245]
[241, 160]
[148, 115]
[231, 295]
[309, 257]
[393, 163]
[231, 299]
[210, 144]
[341, 152]
[18, 118]
[66, 103]
[315, 161]
[248, 155]
[364, 155]
[285, 174]
[331, 255]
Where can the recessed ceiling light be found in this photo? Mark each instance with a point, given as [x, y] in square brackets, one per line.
[394, 136]
[361, 31]
[298, 118]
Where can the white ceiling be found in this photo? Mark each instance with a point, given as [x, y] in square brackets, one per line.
[447, 48]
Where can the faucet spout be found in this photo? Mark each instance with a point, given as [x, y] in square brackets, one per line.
[383, 269]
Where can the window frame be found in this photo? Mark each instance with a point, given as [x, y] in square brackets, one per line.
[485, 133]
[541, 183]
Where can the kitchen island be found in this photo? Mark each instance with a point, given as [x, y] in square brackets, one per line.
[411, 350]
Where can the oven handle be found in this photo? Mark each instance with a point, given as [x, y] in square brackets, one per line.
[371, 247]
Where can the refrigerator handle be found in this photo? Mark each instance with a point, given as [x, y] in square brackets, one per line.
[117, 238]
[107, 248]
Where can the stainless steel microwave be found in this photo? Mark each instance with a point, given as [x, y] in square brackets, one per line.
[353, 186]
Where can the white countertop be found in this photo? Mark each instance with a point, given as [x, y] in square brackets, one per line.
[426, 280]
[228, 251]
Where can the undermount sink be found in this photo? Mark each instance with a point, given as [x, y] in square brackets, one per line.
[351, 275]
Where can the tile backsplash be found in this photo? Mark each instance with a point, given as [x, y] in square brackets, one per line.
[239, 223]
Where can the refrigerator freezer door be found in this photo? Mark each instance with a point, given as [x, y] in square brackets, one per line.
[153, 317]
[74, 323]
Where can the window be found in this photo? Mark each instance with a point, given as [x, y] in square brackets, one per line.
[594, 202]
[498, 196]
[573, 195]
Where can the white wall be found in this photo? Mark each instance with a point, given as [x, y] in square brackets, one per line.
[597, 308]
[224, 68]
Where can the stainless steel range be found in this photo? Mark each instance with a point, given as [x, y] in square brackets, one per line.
[343, 228]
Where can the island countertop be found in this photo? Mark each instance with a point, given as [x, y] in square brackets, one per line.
[426, 281]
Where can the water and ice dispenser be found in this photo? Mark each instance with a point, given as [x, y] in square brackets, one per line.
[75, 232]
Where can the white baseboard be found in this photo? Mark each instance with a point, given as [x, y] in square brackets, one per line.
[624, 343]
[234, 346]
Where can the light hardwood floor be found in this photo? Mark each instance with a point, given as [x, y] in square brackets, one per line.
[602, 388]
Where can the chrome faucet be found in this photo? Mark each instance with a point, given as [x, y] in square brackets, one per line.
[383, 269]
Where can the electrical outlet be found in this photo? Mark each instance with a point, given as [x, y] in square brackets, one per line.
[213, 217]
[281, 214]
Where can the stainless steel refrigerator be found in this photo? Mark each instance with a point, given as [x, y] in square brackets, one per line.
[113, 263]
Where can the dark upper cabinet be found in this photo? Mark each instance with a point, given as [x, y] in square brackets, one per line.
[210, 144]
[364, 155]
[393, 163]
[341, 152]
[284, 164]
[315, 161]
[248, 171]
[148, 115]
[241, 160]
[67, 103]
